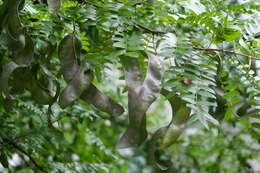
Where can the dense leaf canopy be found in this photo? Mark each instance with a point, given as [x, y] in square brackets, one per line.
[72, 71]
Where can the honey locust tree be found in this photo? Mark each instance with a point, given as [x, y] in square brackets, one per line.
[73, 71]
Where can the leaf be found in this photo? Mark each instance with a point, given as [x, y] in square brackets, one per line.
[229, 113]
[256, 125]
[135, 42]
[227, 35]
[231, 34]
[4, 159]
[39, 94]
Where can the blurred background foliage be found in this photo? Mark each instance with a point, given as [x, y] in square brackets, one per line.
[215, 44]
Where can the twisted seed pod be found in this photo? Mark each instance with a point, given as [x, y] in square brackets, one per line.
[26, 55]
[79, 78]
[166, 136]
[141, 94]
[54, 5]
[8, 69]
[13, 29]
[14, 35]
[95, 97]
[78, 84]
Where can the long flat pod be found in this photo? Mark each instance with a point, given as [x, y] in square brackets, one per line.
[8, 69]
[95, 97]
[25, 56]
[14, 30]
[168, 135]
[78, 84]
[141, 94]
[69, 53]
[53, 5]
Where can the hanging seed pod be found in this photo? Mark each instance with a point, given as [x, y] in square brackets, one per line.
[25, 56]
[3, 12]
[15, 32]
[79, 78]
[95, 97]
[53, 5]
[78, 84]
[141, 94]
[166, 136]
[69, 53]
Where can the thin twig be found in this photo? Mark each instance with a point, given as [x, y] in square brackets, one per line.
[217, 50]
[92, 4]
[221, 50]
[12, 140]
[149, 30]
[29, 156]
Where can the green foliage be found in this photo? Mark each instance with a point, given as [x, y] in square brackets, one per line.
[65, 67]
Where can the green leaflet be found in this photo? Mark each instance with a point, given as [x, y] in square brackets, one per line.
[39, 94]
[4, 159]
[78, 84]
[3, 11]
[24, 79]
[166, 136]
[53, 85]
[17, 82]
[141, 94]
[54, 5]
[69, 53]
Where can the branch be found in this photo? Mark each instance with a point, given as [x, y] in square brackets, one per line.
[149, 30]
[221, 50]
[92, 4]
[29, 156]
[12, 140]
